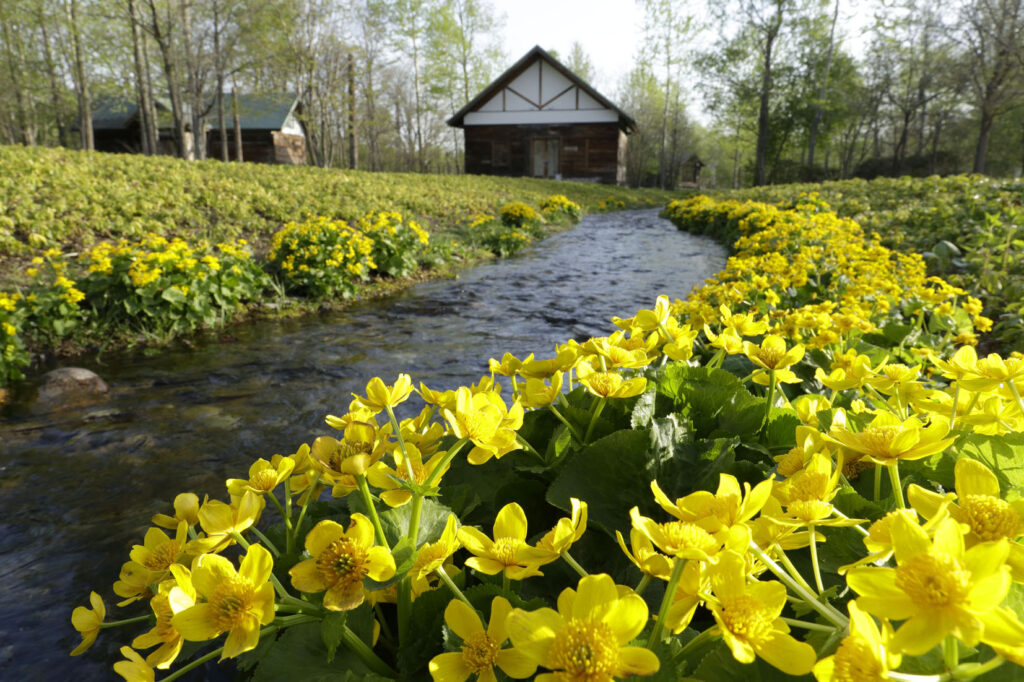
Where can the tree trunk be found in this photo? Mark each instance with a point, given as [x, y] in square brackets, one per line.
[162, 36]
[816, 121]
[984, 132]
[81, 84]
[146, 141]
[353, 145]
[218, 62]
[763, 115]
[55, 89]
[194, 84]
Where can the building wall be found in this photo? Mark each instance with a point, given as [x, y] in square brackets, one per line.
[588, 151]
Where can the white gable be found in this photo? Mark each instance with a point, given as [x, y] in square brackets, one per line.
[541, 94]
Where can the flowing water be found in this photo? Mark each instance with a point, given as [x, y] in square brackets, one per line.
[77, 487]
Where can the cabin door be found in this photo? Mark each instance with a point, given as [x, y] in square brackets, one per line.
[545, 157]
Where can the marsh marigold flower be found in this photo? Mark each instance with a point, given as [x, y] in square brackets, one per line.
[88, 622]
[133, 668]
[340, 560]
[380, 396]
[888, 438]
[174, 596]
[938, 588]
[748, 617]
[608, 384]
[481, 649]
[863, 655]
[586, 639]
[508, 552]
[236, 602]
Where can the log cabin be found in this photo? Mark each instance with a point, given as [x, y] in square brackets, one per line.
[540, 119]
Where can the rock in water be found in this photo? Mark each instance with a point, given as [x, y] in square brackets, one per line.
[70, 387]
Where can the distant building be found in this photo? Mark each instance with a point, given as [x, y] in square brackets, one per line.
[539, 119]
[271, 128]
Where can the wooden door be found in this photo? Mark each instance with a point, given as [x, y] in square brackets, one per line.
[545, 157]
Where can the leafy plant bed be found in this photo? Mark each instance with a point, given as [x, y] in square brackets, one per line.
[755, 483]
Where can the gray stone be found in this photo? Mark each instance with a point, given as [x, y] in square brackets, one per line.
[70, 387]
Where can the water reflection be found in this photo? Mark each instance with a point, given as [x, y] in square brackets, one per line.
[77, 488]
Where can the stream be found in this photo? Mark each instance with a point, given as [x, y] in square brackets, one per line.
[78, 487]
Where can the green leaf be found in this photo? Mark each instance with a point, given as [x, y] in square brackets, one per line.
[1004, 455]
[173, 296]
[300, 654]
[332, 629]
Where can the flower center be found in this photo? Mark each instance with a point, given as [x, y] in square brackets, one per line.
[231, 602]
[682, 535]
[604, 383]
[264, 480]
[345, 450]
[934, 579]
[586, 651]
[505, 550]
[479, 652]
[856, 661]
[162, 556]
[991, 518]
[809, 486]
[343, 562]
[881, 530]
[877, 440]
[746, 618]
[771, 357]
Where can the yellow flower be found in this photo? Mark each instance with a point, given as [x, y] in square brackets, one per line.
[380, 396]
[729, 341]
[863, 655]
[340, 560]
[540, 393]
[88, 622]
[353, 455]
[380, 475]
[433, 555]
[772, 353]
[585, 639]
[609, 384]
[939, 589]
[729, 506]
[567, 530]
[692, 583]
[173, 597]
[219, 519]
[236, 602]
[680, 539]
[992, 372]
[508, 552]
[264, 476]
[481, 649]
[648, 559]
[748, 616]
[133, 583]
[158, 551]
[485, 420]
[888, 438]
[186, 508]
[980, 507]
[134, 669]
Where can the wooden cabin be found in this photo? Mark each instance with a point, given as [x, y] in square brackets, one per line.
[539, 119]
[271, 128]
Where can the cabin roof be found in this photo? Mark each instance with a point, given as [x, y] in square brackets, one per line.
[255, 112]
[626, 121]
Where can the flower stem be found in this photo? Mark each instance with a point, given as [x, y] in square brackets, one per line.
[126, 621]
[575, 566]
[771, 398]
[572, 431]
[207, 657]
[506, 584]
[831, 614]
[266, 541]
[814, 558]
[401, 442]
[981, 669]
[364, 490]
[449, 456]
[593, 419]
[952, 415]
[443, 575]
[365, 654]
[1016, 395]
[642, 585]
[529, 448]
[950, 652]
[666, 603]
[894, 479]
[808, 625]
[878, 484]
[309, 496]
[289, 541]
[791, 569]
[284, 517]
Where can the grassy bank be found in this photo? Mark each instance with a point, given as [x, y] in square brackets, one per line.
[101, 250]
[967, 228]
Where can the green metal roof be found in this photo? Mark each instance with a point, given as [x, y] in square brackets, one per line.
[256, 112]
[113, 114]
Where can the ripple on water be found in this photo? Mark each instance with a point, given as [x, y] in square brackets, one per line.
[78, 491]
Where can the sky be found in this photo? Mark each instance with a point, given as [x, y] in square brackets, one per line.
[608, 30]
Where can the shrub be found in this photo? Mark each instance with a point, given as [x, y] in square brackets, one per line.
[559, 204]
[321, 257]
[13, 355]
[397, 243]
[518, 214]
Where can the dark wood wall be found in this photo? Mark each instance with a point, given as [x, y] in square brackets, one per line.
[261, 146]
[590, 151]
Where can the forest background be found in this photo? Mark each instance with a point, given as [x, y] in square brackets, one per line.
[763, 91]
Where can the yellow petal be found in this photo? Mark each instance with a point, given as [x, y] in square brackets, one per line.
[196, 624]
[256, 565]
[500, 608]
[533, 632]
[211, 570]
[974, 478]
[515, 664]
[243, 637]
[381, 564]
[463, 620]
[788, 655]
[635, 660]
[344, 598]
[595, 594]
[510, 522]
[306, 577]
[879, 594]
[627, 618]
[920, 635]
[322, 535]
[449, 667]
